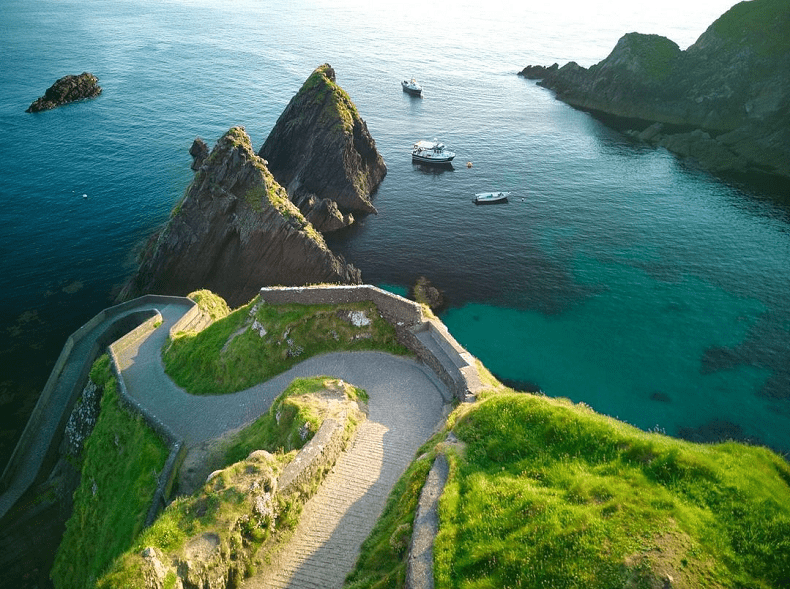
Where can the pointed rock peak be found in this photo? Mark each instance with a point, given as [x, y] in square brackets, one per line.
[321, 148]
[235, 231]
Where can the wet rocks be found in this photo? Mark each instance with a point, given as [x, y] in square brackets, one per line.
[235, 231]
[67, 89]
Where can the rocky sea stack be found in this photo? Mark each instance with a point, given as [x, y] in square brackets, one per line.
[320, 150]
[724, 101]
[67, 89]
[235, 231]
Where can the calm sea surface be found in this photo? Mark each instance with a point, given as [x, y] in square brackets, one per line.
[617, 275]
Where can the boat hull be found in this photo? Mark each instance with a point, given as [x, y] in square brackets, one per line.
[490, 199]
[412, 91]
[436, 161]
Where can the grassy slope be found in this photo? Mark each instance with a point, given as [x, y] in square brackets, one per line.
[224, 505]
[122, 460]
[551, 494]
[204, 365]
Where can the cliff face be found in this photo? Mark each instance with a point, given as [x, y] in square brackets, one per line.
[732, 86]
[234, 232]
[320, 148]
[67, 89]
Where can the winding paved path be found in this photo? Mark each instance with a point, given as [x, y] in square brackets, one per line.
[406, 403]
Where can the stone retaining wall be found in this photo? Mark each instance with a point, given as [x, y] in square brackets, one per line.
[56, 410]
[54, 406]
[319, 454]
[392, 307]
[454, 366]
[177, 449]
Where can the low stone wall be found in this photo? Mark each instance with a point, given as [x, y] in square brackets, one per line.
[454, 366]
[394, 308]
[53, 406]
[317, 455]
[177, 449]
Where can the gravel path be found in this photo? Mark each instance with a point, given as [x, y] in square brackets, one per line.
[403, 413]
[406, 405]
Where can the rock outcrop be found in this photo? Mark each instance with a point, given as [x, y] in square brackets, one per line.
[235, 231]
[67, 89]
[320, 149]
[724, 101]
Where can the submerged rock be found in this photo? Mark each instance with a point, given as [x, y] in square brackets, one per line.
[235, 231]
[67, 89]
[320, 148]
[725, 100]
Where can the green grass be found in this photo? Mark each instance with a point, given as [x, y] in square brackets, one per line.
[211, 304]
[762, 25]
[229, 356]
[383, 555]
[548, 494]
[123, 458]
[226, 508]
[281, 427]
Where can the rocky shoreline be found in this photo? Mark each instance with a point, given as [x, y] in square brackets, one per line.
[67, 89]
[724, 101]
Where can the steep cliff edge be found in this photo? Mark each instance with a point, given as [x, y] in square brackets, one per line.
[724, 101]
[235, 231]
[320, 149]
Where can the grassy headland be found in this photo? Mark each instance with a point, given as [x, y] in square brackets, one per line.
[259, 341]
[545, 493]
[122, 460]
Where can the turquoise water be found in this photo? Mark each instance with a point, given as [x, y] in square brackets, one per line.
[617, 275]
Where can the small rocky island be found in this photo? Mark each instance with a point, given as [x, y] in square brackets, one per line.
[320, 150]
[724, 101]
[67, 89]
[237, 228]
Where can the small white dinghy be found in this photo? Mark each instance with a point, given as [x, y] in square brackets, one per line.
[490, 198]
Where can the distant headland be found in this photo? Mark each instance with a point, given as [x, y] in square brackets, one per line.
[724, 101]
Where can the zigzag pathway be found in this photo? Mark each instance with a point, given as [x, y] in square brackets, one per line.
[340, 516]
[405, 406]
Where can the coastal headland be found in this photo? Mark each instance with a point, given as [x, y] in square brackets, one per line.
[723, 102]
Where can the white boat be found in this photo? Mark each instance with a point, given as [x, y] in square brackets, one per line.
[412, 87]
[431, 152]
[490, 198]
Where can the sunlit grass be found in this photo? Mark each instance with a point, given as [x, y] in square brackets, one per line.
[550, 494]
[256, 342]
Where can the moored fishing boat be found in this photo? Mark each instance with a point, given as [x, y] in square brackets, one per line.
[411, 87]
[431, 152]
[490, 198]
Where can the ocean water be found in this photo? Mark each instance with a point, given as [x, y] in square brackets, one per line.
[617, 275]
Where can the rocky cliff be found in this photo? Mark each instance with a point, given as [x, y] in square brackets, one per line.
[235, 231]
[67, 89]
[320, 150]
[724, 101]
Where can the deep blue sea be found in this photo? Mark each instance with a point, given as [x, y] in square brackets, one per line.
[617, 275]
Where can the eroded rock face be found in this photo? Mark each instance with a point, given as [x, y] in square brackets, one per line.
[234, 232]
[67, 89]
[321, 149]
[733, 84]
